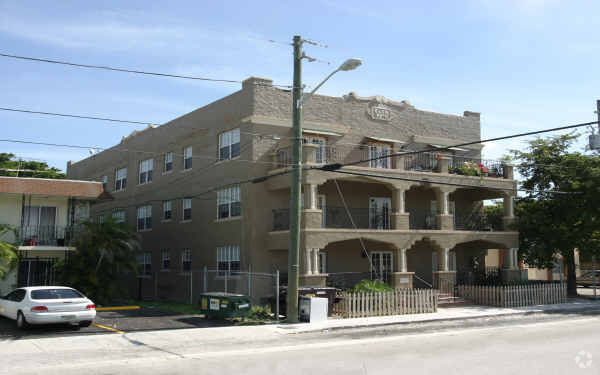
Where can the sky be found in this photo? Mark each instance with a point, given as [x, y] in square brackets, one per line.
[524, 64]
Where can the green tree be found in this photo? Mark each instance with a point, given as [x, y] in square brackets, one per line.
[9, 165]
[561, 210]
[493, 215]
[8, 253]
[105, 253]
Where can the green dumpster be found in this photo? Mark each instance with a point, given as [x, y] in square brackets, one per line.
[220, 305]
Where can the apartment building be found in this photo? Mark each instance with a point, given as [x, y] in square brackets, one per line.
[406, 218]
[45, 215]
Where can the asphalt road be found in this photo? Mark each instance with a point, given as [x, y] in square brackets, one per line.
[557, 344]
[146, 319]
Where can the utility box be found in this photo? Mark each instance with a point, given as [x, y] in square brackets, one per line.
[312, 309]
[219, 305]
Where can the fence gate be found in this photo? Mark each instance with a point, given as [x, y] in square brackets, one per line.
[36, 272]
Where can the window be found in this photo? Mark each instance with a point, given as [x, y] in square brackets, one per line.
[168, 162]
[146, 167]
[229, 144]
[377, 150]
[101, 219]
[228, 260]
[187, 209]
[322, 262]
[16, 295]
[167, 210]
[144, 261]
[381, 265]
[119, 216]
[39, 224]
[321, 150]
[120, 179]
[144, 218]
[165, 259]
[187, 157]
[228, 203]
[186, 260]
[104, 179]
[55, 294]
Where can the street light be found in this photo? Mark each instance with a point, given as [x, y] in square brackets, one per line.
[298, 99]
[349, 64]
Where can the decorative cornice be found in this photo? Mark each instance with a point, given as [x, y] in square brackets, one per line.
[378, 99]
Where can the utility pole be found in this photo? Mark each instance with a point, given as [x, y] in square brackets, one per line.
[296, 184]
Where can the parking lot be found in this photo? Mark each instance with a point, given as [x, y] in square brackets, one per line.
[112, 322]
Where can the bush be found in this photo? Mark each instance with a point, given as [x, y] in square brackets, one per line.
[368, 286]
[260, 312]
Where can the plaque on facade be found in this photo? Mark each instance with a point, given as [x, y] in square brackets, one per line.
[380, 112]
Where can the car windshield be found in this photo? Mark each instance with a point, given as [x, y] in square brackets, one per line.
[55, 294]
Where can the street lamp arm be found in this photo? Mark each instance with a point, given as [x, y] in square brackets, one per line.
[306, 98]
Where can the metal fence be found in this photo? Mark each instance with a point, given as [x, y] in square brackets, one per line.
[422, 219]
[46, 235]
[515, 295]
[488, 168]
[186, 287]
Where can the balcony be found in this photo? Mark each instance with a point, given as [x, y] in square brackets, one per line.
[367, 218]
[423, 162]
[46, 235]
[337, 218]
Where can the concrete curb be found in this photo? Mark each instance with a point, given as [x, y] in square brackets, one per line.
[450, 319]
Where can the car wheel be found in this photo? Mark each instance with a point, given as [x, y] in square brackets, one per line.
[85, 323]
[21, 321]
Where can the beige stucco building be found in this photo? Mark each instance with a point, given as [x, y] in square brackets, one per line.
[417, 215]
[45, 214]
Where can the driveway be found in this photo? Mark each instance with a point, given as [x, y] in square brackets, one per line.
[145, 319]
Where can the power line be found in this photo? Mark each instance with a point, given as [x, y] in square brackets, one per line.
[127, 150]
[335, 166]
[76, 116]
[89, 66]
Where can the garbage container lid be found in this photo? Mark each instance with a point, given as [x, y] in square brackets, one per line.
[222, 294]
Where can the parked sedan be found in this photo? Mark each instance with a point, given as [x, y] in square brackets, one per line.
[47, 305]
[589, 279]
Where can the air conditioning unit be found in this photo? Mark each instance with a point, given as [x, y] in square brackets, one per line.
[595, 141]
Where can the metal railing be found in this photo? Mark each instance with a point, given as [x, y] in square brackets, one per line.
[473, 222]
[46, 235]
[422, 219]
[421, 162]
[476, 167]
[337, 218]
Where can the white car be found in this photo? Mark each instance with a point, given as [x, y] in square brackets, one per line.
[47, 305]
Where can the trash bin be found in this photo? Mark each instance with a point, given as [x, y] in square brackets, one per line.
[220, 305]
[323, 292]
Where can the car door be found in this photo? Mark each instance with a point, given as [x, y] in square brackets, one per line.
[4, 303]
[11, 303]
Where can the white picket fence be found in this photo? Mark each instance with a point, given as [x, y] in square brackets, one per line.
[514, 295]
[396, 302]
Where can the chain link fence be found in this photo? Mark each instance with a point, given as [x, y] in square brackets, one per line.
[186, 287]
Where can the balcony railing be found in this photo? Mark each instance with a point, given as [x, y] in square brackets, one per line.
[46, 235]
[337, 217]
[475, 222]
[476, 167]
[421, 220]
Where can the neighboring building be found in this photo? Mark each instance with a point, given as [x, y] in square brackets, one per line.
[45, 214]
[420, 226]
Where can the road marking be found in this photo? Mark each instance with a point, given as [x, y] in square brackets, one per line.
[107, 328]
[117, 308]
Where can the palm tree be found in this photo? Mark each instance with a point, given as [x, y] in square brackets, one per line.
[8, 253]
[105, 253]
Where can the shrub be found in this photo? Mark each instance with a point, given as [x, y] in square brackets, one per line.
[368, 286]
[260, 312]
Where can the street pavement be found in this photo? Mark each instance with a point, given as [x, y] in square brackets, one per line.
[554, 343]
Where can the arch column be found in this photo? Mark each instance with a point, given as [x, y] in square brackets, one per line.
[401, 278]
[400, 218]
[311, 275]
[443, 218]
[312, 217]
[444, 279]
[509, 211]
[510, 268]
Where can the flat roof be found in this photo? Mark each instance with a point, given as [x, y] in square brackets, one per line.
[51, 187]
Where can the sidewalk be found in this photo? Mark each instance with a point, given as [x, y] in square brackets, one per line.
[443, 314]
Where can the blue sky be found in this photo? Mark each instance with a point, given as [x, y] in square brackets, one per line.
[524, 64]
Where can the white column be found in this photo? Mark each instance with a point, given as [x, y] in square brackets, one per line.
[509, 210]
[515, 258]
[308, 260]
[315, 261]
[310, 196]
[443, 202]
[399, 200]
[401, 260]
[443, 259]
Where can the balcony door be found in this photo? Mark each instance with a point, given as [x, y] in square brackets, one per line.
[321, 142]
[321, 205]
[381, 265]
[380, 209]
[39, 225]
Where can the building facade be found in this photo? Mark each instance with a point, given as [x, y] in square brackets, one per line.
[404, 219]
[45, 215]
